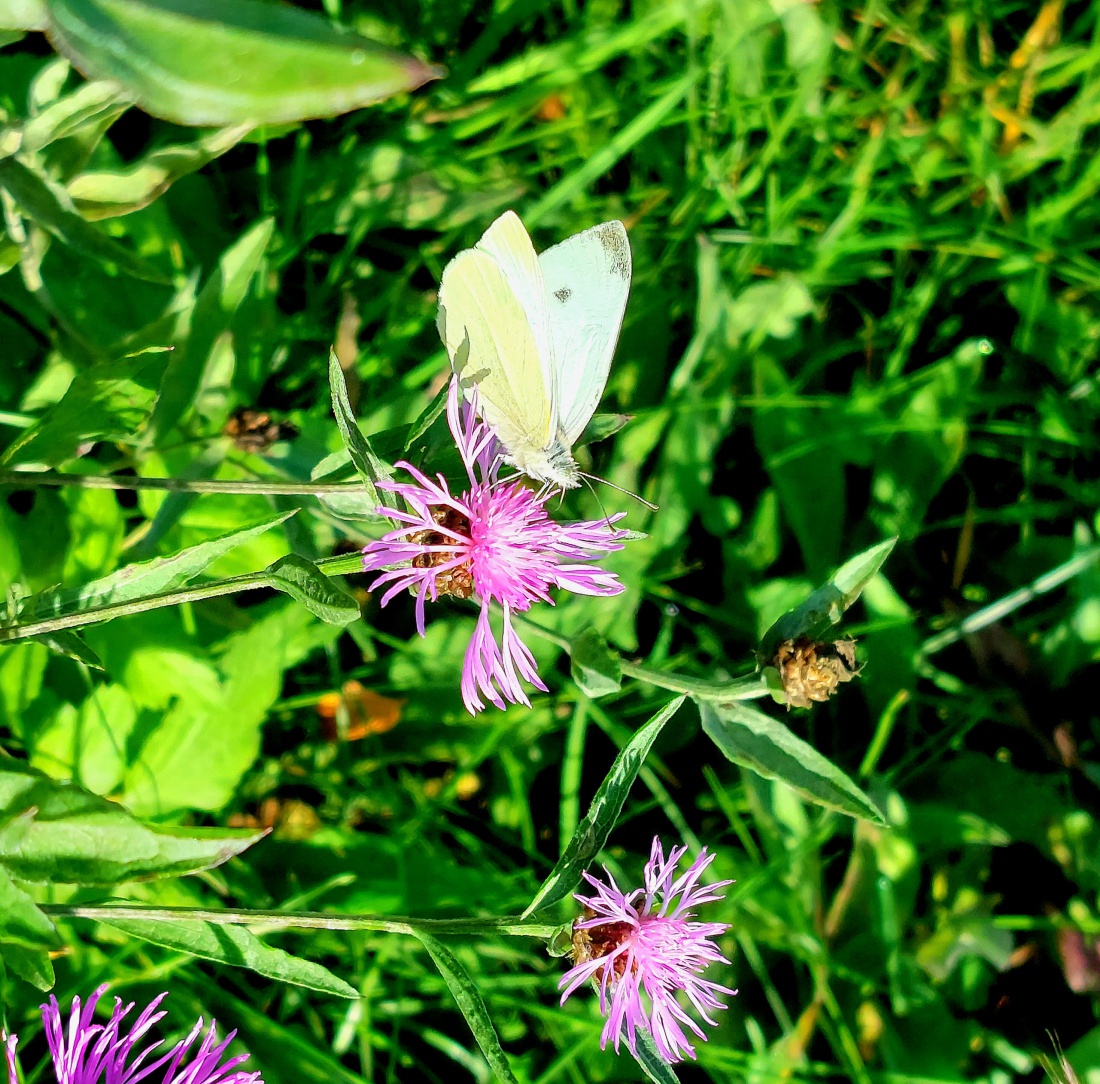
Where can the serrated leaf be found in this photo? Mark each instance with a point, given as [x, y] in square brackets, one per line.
[153, 577]
[74, 837]
[215, 306]
[825, 607]
[369, 467]
[206, 62]
[470, 1003]
[236, 946]
[594, 666]
[766, 746]
[110, 193]
[307, 584]
[649, 1059]
[598, 822]
[21, 922]
[50, 208]
[110, 401]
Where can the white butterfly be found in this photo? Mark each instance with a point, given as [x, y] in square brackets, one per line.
[535, 334]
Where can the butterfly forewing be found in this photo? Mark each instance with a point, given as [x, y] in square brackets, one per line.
[586, 280]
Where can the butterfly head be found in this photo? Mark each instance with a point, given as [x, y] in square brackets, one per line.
[553, 466]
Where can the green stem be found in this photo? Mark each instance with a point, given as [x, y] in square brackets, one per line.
[30, 479]
[747, 688]
[331, 566]
[312, 920]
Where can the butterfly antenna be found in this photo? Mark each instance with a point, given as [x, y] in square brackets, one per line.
[618, 489]
[592, 489]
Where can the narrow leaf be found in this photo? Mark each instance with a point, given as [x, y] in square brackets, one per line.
[93, 104]
[62, 833]
[593, 831]
[369, 467]
[307, 584]
[236, 946]
[217, 303]
[766, 746]
[50, 208]
[67, 643]
[649, 1059]
[825, 607]
[470, 1003]
[153, 577]
[208, 62]
[595, 667]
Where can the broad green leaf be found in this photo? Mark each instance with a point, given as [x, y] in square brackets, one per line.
[217, 303]
[153, 577]
[650, 1061]
[33, 965]
[766, 746]
[307, 584]
[370, 468]
[236, 946]
[49, 207]
[595, 667]
[110, 193]
[21, 922]
[23, 14]
[826, 606]
[593, 831]
[470, 1003]
[206, 62]
[110, 401]
[75, 837]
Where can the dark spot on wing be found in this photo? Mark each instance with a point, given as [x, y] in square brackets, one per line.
[564, 294]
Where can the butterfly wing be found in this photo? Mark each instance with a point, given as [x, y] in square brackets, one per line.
[491, 339]
[587, 280]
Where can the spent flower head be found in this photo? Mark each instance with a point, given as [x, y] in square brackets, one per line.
[86, 1052]
[494, 542]
[642, 948]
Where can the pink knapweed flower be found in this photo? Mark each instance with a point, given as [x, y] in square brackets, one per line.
[85, 1052]
[642, 948]
[495, 542]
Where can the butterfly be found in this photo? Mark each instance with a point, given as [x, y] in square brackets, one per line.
[533, 335]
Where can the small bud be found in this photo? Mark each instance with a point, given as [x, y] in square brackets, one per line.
[811, 670]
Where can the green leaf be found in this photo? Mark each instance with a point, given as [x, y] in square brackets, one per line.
[21, 922]
[50, 208]
[470, 1003]
[23, 14]
[33, 965]
[206, 62]
[217, 303]
[649, 1059]
[110, 193]
[766, 746]
[598, 822]
[75, 837]
[427, 417]
[111, 401]
[595, 667]
[236, 946]
[602, 426]
[370, 468]
[69, 644]
[826, 606]
[92, 105]
[307, 584]
[153, 577]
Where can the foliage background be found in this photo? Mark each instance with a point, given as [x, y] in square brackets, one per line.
[864, 305]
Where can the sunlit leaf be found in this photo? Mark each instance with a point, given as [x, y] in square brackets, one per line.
[307, 584]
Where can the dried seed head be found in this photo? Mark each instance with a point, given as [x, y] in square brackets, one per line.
[811, 670]
[459, 581]
[255, 430]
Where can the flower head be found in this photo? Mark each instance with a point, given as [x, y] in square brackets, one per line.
[494, 542]
[642, 947]
[84, 1052]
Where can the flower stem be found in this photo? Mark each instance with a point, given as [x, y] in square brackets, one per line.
[29, 479]
[313, 920]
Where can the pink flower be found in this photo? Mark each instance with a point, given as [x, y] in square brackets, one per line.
[495, 543]
[644, 941]
[85, 1052]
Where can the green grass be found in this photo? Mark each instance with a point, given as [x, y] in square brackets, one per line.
[864, 304]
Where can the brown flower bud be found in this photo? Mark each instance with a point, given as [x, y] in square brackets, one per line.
[811, 670]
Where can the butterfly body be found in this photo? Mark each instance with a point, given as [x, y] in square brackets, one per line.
[533, 336]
